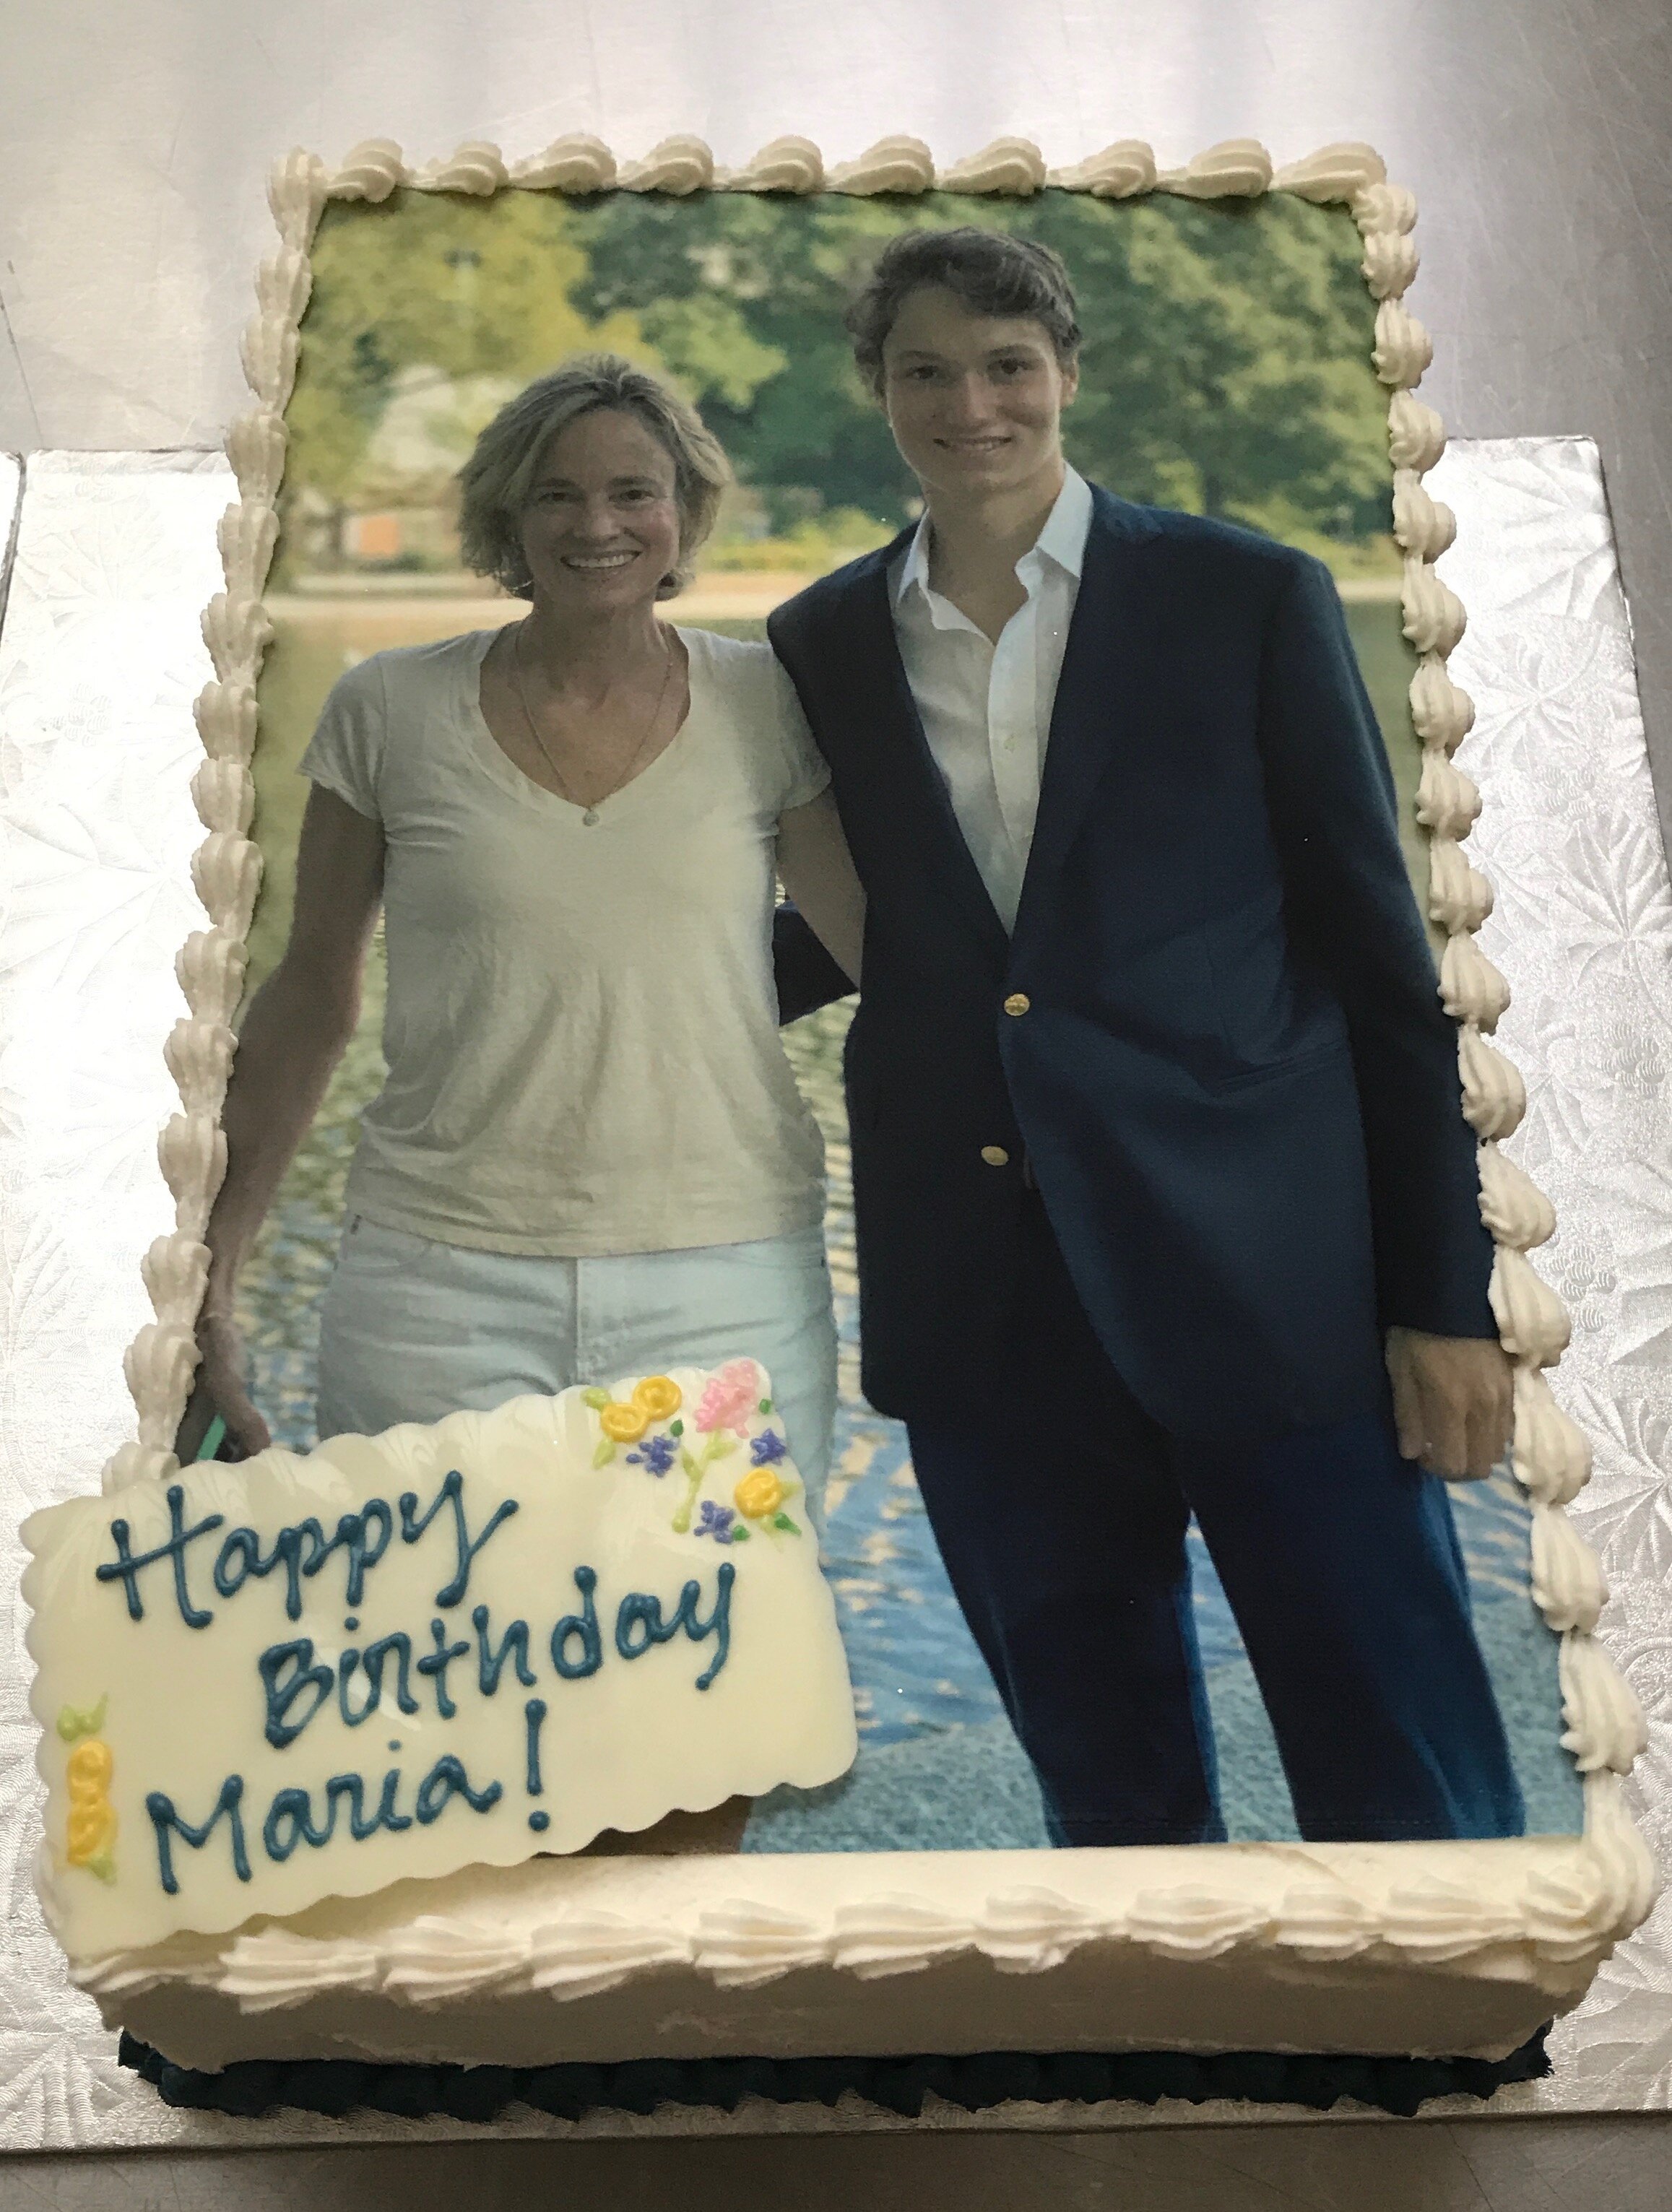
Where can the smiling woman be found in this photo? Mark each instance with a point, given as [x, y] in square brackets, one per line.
[589, 1150]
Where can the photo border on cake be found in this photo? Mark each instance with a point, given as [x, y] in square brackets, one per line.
[1542, 1912]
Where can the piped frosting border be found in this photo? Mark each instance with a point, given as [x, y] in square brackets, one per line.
[1572, 1903]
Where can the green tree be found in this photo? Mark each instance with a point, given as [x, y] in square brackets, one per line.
[470, 289]
[1225, 366]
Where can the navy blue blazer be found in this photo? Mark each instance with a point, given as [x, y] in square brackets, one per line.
[1233, 1080]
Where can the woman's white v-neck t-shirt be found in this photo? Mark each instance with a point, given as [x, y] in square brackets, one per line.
[581, 1029]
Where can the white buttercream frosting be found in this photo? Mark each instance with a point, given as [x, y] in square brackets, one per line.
[199, 1057]
[1237, 169]
[1403, 348]
[788, 165]
[475, 169]
[1459, 895]
[296, 192]
[1118, 172]
[210, 967]
[1416, 435]
[255, 446]
[1532, 1320]
[1552, 1453]
[223, 791]
[678, 166]
[1567, 1583]
[582, 1955]
[1434, 617]
[892, 165]
[1553, 1920]
[1195, 1922]
[226, 870]
[896, 1934]
[1494, 1096]
[175, 1273]
[1442, 712]
[1447, 802]
[370, 171]
[1014, 167]
[1423, 526]
[1384, 209]
[1389, 263]
[246, 534]
[1471, 988]
[1342, 172]
[1605, 1723]
[577, 162]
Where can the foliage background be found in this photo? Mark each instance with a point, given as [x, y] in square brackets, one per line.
[1226, 355]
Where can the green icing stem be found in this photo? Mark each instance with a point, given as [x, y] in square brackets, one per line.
[72, 1725]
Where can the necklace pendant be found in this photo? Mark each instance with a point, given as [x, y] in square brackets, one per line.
[589, 819]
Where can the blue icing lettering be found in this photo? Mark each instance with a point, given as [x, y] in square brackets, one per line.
[534, 1713]
[282, 1692]
[296, 1807]
[127, 1565]
[437, 1662]
[350, 1537]
[490, 1664]
[371, 1660]
[639, 1622]
[412, 1526]
[244, 1546]
[446, 1780]
[168, 1823]
[637, 1610]
[582, 1625]
[302, 1548]
[290, 1817]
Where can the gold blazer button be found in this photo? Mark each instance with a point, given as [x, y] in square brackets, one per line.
[1018, 1003]
[995, 1155]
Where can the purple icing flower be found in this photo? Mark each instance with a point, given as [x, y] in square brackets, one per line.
[767, 1449]
[658, 1453]
[715, 1521]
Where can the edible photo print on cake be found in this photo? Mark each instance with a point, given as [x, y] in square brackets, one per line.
[680, 602]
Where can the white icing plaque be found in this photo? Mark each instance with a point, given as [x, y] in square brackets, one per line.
[265, 1684]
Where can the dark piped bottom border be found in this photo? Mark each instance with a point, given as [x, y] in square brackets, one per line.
[335, 2086]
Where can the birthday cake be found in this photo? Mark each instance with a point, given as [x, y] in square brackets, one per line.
[347, 1748]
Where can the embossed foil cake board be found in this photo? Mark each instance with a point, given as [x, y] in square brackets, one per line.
[100, 660]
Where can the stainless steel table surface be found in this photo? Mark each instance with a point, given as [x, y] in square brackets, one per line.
[1536, 134]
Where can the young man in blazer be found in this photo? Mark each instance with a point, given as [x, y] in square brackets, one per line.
[1160, 1168]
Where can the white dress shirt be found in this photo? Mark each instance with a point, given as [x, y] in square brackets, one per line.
[985, 709]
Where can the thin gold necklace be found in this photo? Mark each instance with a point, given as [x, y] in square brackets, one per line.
[588, 809]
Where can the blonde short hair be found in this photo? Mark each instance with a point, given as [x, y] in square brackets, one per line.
[495, 481]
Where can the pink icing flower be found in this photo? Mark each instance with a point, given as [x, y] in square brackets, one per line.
[732, 1396]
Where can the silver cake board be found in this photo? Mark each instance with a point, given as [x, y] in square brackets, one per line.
[100, 657]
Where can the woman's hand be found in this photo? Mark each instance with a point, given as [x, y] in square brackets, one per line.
[220, 1389]
[1454, 1403]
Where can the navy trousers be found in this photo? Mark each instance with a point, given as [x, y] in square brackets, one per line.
[1061, 1512]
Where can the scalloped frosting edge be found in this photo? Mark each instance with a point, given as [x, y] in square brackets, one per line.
[1589, 1895]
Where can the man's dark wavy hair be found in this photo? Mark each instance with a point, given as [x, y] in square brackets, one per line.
[990, 272]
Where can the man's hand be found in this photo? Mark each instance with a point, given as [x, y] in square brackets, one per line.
[1453, 1403]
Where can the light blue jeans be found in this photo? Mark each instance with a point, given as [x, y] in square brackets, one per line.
[411, 1330]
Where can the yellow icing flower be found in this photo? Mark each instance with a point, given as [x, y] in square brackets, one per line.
[656, 1397]
[89, 1829]
[623, 1424]
[88, 1770]
[759, 1493]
